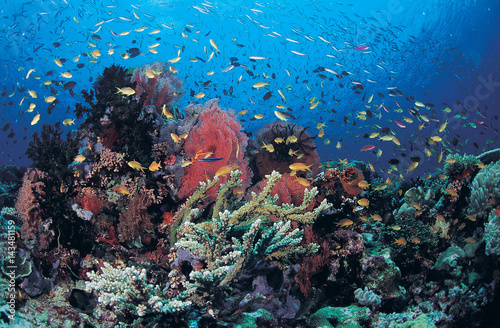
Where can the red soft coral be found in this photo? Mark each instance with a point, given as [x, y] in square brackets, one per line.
[218, 133]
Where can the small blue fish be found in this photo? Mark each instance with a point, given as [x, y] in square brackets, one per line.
[211, 159]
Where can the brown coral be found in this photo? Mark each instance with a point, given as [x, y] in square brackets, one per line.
[26, 203]
[88, 200]
[350, 178]
[135, 220]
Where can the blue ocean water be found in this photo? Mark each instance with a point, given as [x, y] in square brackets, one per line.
[436, 52]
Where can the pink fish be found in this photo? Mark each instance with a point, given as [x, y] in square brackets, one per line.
[401, 125]
[361, 48]
[367, 147]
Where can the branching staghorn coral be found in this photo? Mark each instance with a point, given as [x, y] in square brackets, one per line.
[261, 206]
[226, 255]
[126, 289]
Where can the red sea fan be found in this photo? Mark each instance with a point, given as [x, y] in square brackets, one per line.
[162, 89]
[219, 133]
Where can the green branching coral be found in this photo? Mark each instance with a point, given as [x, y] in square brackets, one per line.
[127, 290]
[261, 206]
[226, 254]
[485, 187]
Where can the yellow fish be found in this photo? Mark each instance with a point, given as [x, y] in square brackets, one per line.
[210, 73]
[259, 85]
[186, 163]
[58, 62]
[128, 91]
[136, 166]
[175, 138]
[174, 60]
[199, 95]
[35, 119]
[226, 169]
[291, 139]
[300, 167]
[50, 99]
[212, 42]
[32, 93]
[282, 95]
[166, 113]
[67, 75]
[259, 116]
[29, 72]
[412, 167]
[436, 138]
[154, 166]
[321, 133]
[69, 121]
[396, 141]
[31, 108]
[364, 202]
[121, 190]
[79, 158]
[303, 182]
[269, 147]
[280, 116]
[243, 112]
[452, 192]
[339, 145]
[363, 184]
[279, 140]
[443, 126]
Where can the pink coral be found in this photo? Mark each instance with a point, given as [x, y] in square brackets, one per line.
[218, 133]
[161, 90]
[27, 205]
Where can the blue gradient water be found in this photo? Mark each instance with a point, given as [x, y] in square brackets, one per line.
[436, 52]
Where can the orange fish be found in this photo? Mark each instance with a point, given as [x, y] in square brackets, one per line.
[401, 241]
[344, 223]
